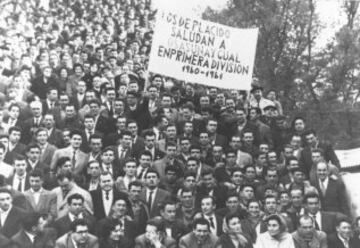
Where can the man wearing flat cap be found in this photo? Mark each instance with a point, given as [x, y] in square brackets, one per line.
[257, 100]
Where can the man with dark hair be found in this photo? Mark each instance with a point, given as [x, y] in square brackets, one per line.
[76, 208]
[78, 158]
[10, 216]
[210, 187]
[39, 199]
[104, 197]
[33, 152]
[15, 146]
[174, 228]
[149, 141]
[34, 233]
[66, 188]
[312, 142]
[119, 212]
[324, 221]
[343, 236]
[169, 159]
[20, 180]
[139, 208]
[152, 194]
[200, 236]
[79, 235]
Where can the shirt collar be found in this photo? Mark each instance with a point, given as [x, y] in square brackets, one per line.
[34, 192]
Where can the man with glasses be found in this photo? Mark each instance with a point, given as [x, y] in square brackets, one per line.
[78, 237]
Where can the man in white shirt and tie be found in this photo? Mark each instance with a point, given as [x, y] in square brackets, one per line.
[208, 207]
[144, 164]
[19, 180]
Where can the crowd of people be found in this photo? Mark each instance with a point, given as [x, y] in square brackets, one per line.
[95, 151]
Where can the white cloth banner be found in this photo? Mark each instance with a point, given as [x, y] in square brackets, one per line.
[348, 158]
[203, 52]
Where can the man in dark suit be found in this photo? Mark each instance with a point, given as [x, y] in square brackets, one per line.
[76, 211]
[101, 122]
[138, 144]
[343, 236]
[324, 221]
[188, 115]
[215, 138]
[47, 150]
[137, 110]
[208, 207]
[88, 131]
[313, 142]
[118, 210]
[55, 136]
[173, 227]
[151, 194]
[104, 198]
[79, 234]
[112, 138]
[43, 83]
[33, 159]
[20, 180]
[124, 149]
[149, 141]
[15, 146]
[10, 216]
[331, 190]
[33, 234]
[78, 98]
[110, 164]
[211, 187]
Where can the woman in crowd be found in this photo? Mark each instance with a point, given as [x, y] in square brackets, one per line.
[112, 236]
[276, 235]
[234, 236]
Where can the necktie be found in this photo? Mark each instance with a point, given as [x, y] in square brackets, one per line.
[90, 133]
[150, 199]
[322, 188]
[123, 152]
[316, 223]
[20, 185]
[107, 195]
[212, 224]
[141, 174]
[73, 160]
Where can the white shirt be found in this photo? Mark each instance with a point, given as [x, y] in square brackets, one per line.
[72, 216]
[93, 185]
[107, 168]
[344, 241]
[4, 215]
[318, 219]
[128, 180]
[36, 195]
[17, 181]
[325, 183]
[31, 236]
[213, 230]
[107, 203]
[32, 164]
[11, 147]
